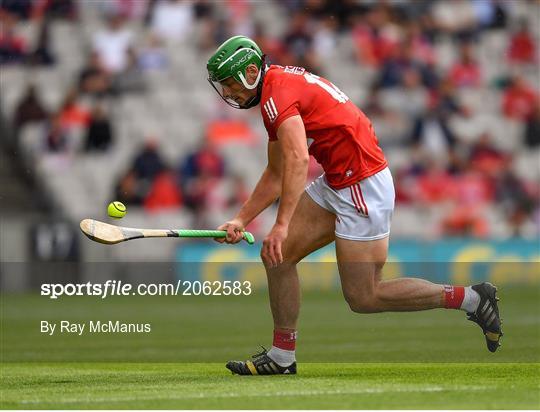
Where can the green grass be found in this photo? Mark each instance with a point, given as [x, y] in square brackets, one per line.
[329, 386]
[433, 359]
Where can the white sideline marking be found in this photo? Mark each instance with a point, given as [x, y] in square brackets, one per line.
[360, 391]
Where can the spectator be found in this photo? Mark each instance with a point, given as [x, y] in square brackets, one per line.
[131, 78]
[57, 136]
[204, 160]
[512, 195]
[239, 18]
[399, 61]
[485, 158]
[456, 18]
[29, 109]
[42, 54]
[466, 71]
[18, 9]
[13, 48]
[148, 163]
[405, 186]
[433, 134]
[522, 47]
[324, 39]
[223, 131]
[93, 78]
[203, 9]
[415, 96]
[436, 185]
[274, 49]
[63, 9]
[299, 41]
[129, 190]
[411, 99]
[342, 12]
[200, 171]
[465, 222]
[421, 46]
[532, 129]
[486, 12]
[128, 9]
[519, 100]
[473, 189]
[98, 134]
[163, 194]
[199, 190]
[172, 19]
[113, 43]
[134, 187]
[375, 40]
[153, 56]
[72, 114]
[446, 103]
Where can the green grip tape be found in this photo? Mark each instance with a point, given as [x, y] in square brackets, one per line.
[248, 237]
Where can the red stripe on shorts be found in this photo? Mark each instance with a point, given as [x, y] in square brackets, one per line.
[355, 200]
[357, 194]
[362, 199]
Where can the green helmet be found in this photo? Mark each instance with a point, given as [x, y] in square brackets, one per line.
[231, 60]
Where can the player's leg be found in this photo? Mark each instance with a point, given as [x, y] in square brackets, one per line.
[311, 228]
[360, 266]
[364, 212]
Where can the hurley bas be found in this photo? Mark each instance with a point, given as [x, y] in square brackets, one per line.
[97, 326]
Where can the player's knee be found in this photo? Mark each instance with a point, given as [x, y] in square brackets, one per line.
[291, 256]
[362, 307]
[288, 259]
[361, 303]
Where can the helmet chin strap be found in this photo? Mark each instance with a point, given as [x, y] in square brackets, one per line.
[245, 83]
[255, 100]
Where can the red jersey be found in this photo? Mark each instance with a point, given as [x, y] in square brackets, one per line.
[340, 137]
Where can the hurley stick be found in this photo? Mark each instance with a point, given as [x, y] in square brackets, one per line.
[110, 234]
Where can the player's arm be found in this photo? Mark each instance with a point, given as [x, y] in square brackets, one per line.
[294, 152]
[267, 190]
[265, 193]
[295, 160]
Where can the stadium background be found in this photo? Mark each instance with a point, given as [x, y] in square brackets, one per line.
[107, 99]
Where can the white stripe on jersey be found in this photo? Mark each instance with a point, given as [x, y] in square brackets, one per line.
[271, 100]
[271, 110]
[267, 111]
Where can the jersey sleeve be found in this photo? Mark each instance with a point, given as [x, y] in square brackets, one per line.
[278, 105]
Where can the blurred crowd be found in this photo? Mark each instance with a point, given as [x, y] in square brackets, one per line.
[411, 92]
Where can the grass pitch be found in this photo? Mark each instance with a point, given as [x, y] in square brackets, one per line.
[433, 359]
[319, 386]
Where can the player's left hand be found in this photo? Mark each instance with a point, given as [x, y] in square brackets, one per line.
[271, 250]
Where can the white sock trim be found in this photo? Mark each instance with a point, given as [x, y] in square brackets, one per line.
[471, 300]
[281, 356]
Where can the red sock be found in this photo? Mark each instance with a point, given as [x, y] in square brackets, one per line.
[453, 296]
[284, 339]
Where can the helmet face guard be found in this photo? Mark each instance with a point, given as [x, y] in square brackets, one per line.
[254, 101]
[231, 59]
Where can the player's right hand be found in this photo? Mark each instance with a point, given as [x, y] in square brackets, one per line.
[234, 229]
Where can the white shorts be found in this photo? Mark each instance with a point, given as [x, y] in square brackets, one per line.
[363, 211]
